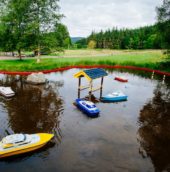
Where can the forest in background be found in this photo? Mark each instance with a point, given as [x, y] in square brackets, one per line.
[156, 36]
[141, 38]
[36, 26]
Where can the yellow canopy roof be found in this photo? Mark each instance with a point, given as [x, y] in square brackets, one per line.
[91, 74]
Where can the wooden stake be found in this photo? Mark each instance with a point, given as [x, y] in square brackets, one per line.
[79, 85]
[101, 88]
[101, 92]
[152, 75]
[102, 82]
[90, 91]
[163, 81]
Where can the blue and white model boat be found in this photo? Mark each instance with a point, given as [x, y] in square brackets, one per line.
[115, 97]
[87, 107]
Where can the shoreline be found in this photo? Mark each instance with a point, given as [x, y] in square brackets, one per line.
[87, 66]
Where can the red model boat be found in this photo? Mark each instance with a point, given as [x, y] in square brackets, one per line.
[121, 79]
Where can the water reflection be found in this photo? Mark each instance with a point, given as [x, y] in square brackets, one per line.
[107, 143]
[154, 132]
[34, 108]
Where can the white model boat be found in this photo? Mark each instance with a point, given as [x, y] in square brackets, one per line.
[115, 97]
[6, 91]
[21, 143]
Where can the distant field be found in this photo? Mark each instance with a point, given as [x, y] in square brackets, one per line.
[105, 52]
[143, 58]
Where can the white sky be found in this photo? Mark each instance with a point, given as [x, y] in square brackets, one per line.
[84, 16]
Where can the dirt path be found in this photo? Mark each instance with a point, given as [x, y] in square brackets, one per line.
[8, 58]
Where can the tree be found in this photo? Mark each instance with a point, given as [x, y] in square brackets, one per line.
[56, 40]
[67, 42]
[82, 43]
[44, 14]
[163, 15]
[150, 42]
[61, 35]
[14, 21]
[6, 39]
[28, 20]
[92, 44]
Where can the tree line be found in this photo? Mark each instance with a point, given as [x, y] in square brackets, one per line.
[31, 25]
[149, 37]
[141, 38]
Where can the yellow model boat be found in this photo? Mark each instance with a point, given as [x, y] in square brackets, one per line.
[21, 143]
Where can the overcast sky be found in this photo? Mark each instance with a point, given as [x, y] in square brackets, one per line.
[83, 16]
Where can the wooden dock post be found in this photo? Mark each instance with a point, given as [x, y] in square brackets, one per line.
[152, 74]
[101, 88]
[163, 81]
[90, 90]
[79, 86]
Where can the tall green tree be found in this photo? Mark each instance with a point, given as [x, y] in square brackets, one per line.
[14, 22]
[43, 16]
[61, 35]
[27, 21]
[163, 14]
[57, 39]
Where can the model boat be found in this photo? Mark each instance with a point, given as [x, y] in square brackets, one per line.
[21, 143]
[87, 107]
[121, 79]
[6, 91]
[115, 97]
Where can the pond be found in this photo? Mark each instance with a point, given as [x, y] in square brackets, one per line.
[133, 135]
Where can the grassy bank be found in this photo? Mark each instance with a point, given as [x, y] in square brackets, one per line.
[150, 59]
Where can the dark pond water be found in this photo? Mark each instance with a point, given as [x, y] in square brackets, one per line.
[127, 136]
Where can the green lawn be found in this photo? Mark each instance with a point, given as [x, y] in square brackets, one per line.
[152, 59]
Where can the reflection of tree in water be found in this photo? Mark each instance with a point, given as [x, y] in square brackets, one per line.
[154, 133]
[34, 108]
[7, 80]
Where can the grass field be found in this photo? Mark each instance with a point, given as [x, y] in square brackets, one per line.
[144, 58]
